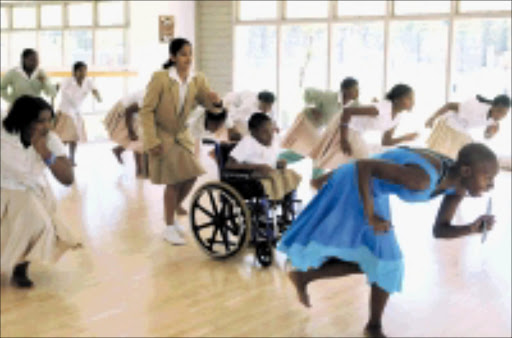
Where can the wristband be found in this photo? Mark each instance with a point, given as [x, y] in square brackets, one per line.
[50, 161]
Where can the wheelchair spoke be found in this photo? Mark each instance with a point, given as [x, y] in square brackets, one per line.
[214, 204]
[212, 239]
[205, 225]
[204, 210]
[225, 238]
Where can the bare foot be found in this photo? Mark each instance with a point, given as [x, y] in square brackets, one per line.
[373, 331]
[300, 287]
[181, 211]
[117, 154]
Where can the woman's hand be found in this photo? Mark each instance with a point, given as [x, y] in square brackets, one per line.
[264, 170]
[41, 77]
[378, 224]
[132, 135]
[281, 164]
[39, 142]
[478, 225]
[430, 122]
[490, 131]
[157, 150]
[214, 97]
[346, 147]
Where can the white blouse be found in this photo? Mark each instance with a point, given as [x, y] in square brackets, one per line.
[250, 151]
[472, 114]
[73, 95]
[23, 168]
[173, 73]
[384, 121]
[241, 106]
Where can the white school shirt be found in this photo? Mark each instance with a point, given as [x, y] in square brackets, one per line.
[196, 125]
[23, 168]
[472, 114]
[135, 97]
[250, 151]
[241, 106]
[173, 73]
[74, 95]
[382, 122]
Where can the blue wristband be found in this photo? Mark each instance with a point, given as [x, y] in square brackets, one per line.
[50, 161]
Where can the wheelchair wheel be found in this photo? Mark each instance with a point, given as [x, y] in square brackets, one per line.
[264, 254]
[220, 220]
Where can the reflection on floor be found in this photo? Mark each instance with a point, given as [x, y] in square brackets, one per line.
[128, 282]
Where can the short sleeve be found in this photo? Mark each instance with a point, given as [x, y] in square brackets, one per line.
[241, 151]
[55, 145]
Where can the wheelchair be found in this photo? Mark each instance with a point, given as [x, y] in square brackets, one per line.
[235, 212]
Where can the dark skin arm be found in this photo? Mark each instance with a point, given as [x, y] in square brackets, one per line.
[443, 227]
[61, 169]
[259, 169]
[411, 177]
[130, 111]
[389, 140]
[450, 106]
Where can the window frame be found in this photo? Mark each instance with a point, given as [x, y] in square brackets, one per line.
[333, 18]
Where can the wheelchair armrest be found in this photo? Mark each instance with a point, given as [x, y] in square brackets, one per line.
[237, 174]
[208, 141]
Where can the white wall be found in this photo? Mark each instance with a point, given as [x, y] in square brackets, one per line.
[146, 53]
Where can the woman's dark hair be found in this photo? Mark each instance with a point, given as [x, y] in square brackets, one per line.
[257, 120]
[499, 101]
[348, 83]
[398, 91]
[78, 65]
[26, 53]
[23, 112]
[174, 47]
[266, 97]
[474, 153]
[216, 117]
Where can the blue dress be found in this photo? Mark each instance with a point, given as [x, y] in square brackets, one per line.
[333, 225]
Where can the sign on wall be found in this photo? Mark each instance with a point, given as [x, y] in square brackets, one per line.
[165, 28]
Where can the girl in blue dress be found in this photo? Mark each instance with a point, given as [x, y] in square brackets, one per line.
[347, 228]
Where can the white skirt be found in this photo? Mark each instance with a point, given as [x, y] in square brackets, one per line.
[30, 229]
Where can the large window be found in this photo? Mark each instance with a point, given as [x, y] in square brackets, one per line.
[64, 32]
[446, 50]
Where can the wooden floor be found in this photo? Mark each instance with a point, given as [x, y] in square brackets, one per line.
[127, 281]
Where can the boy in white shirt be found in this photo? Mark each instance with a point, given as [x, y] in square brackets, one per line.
[259, 153]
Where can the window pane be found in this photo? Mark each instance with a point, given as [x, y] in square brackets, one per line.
[4, 56]
[78, 47]
[361, 8]
[418, 51]
[355, 45]
[20, 41]
[422, 7]
[24, 17]
[255, 58]
[80, 14]
[111, 13]
[51, 15]
[50, 48]
[110, 47]
[257, 10]
[471, 6]
[481, 58]
[307, 9]
[3, 17]
[303, 64]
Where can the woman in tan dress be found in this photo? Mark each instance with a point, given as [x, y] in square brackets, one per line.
[29, 227]
[170, 97]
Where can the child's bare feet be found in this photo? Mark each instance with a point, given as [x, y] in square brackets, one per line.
[373, 331]
[181, 211]
[300, 286]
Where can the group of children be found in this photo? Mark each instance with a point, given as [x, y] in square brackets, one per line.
[346, 229]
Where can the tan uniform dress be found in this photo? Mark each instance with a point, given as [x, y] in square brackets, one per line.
[163, 122]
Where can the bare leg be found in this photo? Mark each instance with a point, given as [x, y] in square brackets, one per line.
[138, 164]
[184, 190]
[117, 152]
[72, 152]
[378, 301]
[331, 268]
[170, 203]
